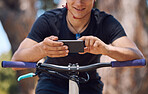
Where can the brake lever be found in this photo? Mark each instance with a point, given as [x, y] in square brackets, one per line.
[26, 76]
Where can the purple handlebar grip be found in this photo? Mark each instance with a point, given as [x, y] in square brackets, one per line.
[138, 62]
[14, 64]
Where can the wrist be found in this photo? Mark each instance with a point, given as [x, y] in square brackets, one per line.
[38, 48]
[108, 49]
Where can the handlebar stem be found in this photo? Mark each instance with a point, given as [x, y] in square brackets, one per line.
[73, 67]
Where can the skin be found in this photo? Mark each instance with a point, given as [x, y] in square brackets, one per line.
[81, 9]
[122, 49]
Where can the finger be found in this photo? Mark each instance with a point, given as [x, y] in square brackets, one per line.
[58, 54]
[82, 38]
[87, 41]
[91, 43]
[86, 49]
[53, 37]
[64, 52]
[50, 42]
[54, 56]
[82, 52]
[58, 48]
[96, 44]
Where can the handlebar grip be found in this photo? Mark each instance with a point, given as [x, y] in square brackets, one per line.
[14, 64]
[138, 63]
[26, 76]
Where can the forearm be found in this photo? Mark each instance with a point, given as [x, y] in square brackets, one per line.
[123, 53]
[32, 54]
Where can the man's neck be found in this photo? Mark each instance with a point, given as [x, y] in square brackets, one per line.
[77, 24]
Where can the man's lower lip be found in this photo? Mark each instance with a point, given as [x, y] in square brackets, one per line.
[79, 9]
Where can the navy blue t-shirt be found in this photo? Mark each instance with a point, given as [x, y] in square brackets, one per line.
[102, 25]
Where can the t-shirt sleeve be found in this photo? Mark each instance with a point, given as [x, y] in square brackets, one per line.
[40, 29]
[112, 29]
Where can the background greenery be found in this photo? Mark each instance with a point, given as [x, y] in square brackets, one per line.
[8, 83]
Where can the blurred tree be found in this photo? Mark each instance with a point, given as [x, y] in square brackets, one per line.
[17, 17]
[131, 14]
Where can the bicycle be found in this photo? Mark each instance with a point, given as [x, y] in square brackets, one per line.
[72, 70]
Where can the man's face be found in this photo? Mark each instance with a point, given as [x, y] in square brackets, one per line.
[80, 8]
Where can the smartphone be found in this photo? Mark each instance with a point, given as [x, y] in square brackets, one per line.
[74, 46]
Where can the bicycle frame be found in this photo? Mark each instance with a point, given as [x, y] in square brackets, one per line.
[73, 69]
[73, 87]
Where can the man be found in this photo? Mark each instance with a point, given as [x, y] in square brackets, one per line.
[77, 21]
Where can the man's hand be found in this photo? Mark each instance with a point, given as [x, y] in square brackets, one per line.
[94, 45]
[50, 47]
[122, 49]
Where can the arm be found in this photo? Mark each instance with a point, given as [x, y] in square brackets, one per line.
[121, 49]
[124, 49]
[31, 51]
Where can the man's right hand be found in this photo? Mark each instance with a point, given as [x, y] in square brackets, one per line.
[52, 48]
[32, 51]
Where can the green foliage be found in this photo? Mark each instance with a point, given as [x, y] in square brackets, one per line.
[8, 83]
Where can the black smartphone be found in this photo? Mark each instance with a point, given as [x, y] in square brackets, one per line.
[74, 46]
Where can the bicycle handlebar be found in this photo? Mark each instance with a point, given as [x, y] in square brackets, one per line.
[74, 67]
[18, 64]
[70, 67]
